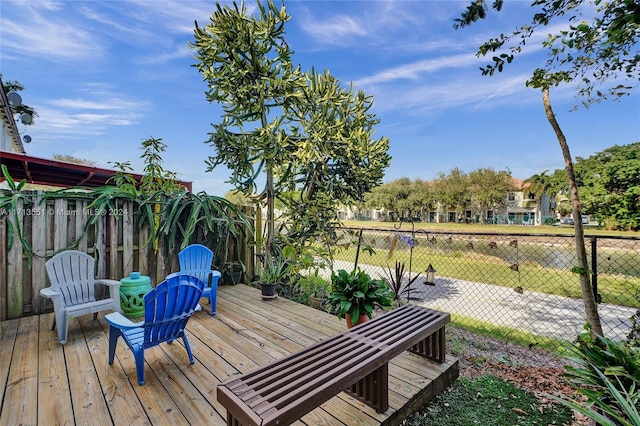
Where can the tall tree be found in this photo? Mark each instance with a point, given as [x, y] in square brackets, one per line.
[538, 185]
[452, 190]
[488, 189]
[310, 138]
[335, 158]
[247, 65]
[610, 186]
[594, 53]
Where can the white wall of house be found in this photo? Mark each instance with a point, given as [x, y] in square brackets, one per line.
[518, 210]
[10, 137]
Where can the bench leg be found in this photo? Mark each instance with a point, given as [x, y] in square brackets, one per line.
[432, 347]
[373, 389]
[232, 421]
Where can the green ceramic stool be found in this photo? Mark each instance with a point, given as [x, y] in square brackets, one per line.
[132, 291]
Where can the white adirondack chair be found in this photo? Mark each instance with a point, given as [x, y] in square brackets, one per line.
[72, 289]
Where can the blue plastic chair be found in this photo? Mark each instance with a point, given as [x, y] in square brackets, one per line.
[167, 308]
[196, 260]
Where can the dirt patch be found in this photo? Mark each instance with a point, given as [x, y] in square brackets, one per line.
[534, 370]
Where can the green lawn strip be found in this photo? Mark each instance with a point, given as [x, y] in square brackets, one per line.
[507, 334]
[488, 401]
[489, 270]
[499, 229]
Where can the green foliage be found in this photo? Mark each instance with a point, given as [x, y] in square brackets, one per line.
[12, 201]
[238, 198]
[312, 138]
[591, 52]
[488, 188]
[610, 185]
[398, 283]
[275, 271]
[356, 293]
[578, 270]
[173, 215]
[607, 373]
[480, 189]
[303, 258]
[404, 197]
[452, 190]
[313, 285]
[156, 179]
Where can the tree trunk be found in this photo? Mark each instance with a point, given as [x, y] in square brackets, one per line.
[270, 216]
[590, 306]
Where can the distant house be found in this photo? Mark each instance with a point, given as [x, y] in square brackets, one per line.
[519, 208]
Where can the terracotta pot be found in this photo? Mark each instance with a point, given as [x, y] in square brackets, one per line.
[316, 302]
[361, 319]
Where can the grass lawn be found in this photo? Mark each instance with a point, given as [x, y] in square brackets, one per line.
[488, 401]
[455, 261]
[500, 229]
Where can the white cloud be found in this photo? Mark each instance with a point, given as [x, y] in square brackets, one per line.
[29, 33]
[339, 29]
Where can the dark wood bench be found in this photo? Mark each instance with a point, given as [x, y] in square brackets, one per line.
[355, 361]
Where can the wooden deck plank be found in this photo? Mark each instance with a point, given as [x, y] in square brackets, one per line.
[195, 391]
[117, 391]
[269, 316]
[19, 407]
[153, 396]
[53, 383]
[245, 334]
[8, 333]
[87, 400]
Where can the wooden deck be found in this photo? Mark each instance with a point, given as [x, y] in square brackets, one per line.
[45, 383]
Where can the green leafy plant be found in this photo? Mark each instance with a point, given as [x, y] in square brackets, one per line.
[173, 215]
[12, 202]
[274, 272]
[356, 293]
[312, 285]
[310, 138]
[607, 373]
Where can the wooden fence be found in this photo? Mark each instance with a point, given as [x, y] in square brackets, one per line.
[119, 245]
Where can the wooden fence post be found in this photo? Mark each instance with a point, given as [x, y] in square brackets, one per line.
[39, 248]
[14, 265]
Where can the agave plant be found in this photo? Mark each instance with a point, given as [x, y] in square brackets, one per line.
[396, 281]
[607, 373]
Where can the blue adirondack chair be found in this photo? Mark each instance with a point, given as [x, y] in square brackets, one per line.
[167, 308]
[196, 260]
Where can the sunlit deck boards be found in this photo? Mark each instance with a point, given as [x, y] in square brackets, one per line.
[45, 383]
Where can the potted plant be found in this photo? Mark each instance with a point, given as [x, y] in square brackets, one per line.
[273, 273]
[354, 295]
[314, 289]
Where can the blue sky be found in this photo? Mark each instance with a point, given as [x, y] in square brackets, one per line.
[105, 75]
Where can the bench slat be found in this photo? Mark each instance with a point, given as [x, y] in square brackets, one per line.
[355, 361]
[283, 389]
[285, 393]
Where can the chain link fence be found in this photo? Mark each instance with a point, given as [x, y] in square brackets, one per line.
[520, 287]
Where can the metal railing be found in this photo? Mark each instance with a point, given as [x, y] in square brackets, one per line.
[520, 286]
